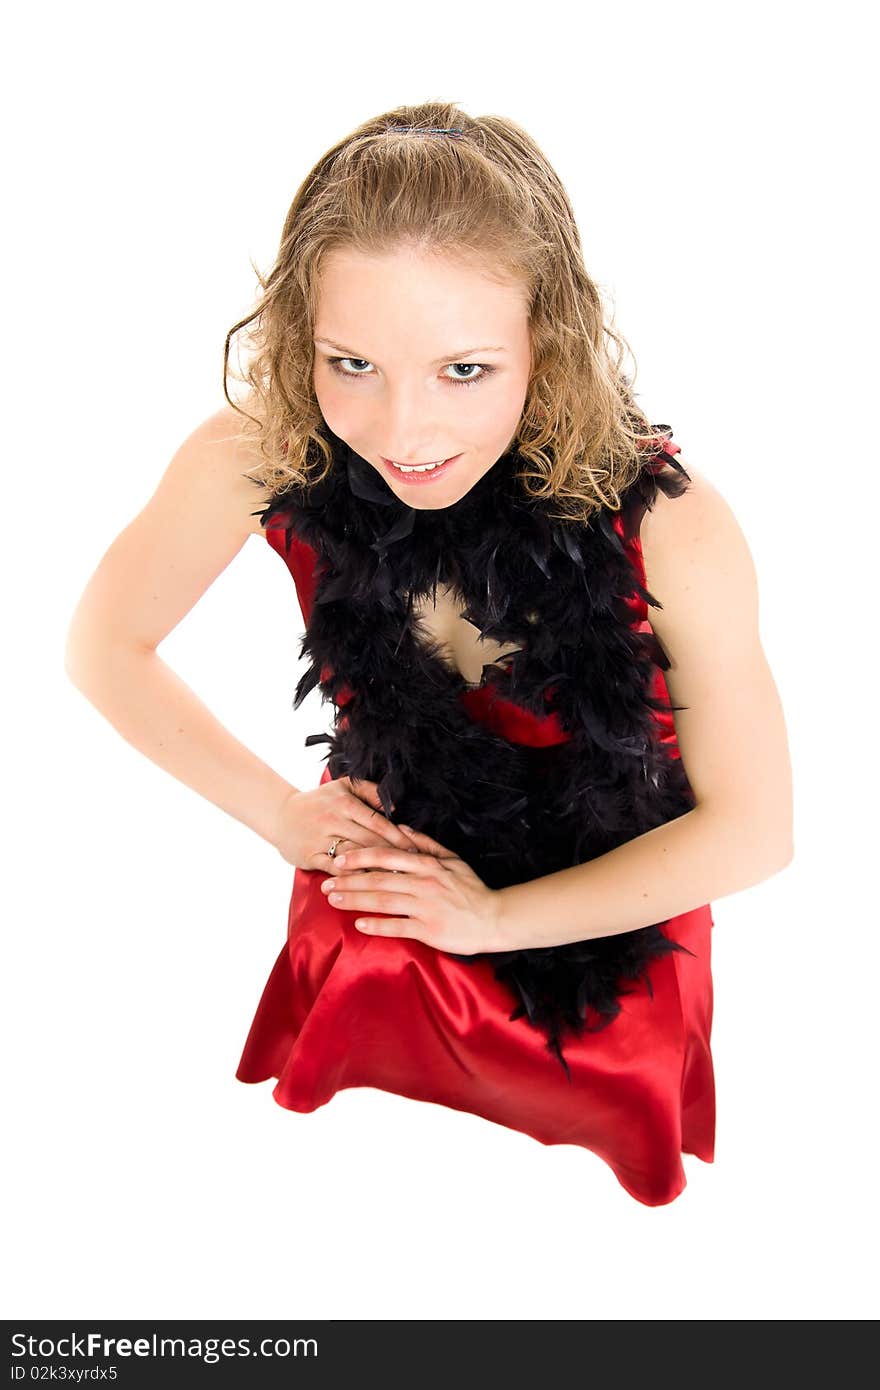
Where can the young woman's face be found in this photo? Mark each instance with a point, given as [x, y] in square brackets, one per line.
[432, 362]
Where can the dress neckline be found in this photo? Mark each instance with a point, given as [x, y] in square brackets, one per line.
[431, 649]
[493, 671]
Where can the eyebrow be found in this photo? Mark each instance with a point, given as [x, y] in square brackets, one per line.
[450, 356]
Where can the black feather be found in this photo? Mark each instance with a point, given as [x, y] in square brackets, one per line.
[513, 811]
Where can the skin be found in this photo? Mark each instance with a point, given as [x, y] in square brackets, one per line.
[402, 396]
[398, 314]
[402, 312]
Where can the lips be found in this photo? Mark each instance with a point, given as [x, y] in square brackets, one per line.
[430, 476]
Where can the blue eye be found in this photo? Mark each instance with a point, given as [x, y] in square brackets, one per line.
[485, 370]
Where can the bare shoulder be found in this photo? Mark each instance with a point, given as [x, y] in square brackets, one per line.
[697, 561]
[196, 521]
[700, 516]
[217, 456]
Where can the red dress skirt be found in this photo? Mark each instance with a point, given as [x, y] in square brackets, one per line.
[345, 1009]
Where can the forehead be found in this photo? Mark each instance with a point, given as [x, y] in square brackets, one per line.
[412, 272]
[431, 301]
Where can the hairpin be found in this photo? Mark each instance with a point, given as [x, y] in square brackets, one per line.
[425, 130]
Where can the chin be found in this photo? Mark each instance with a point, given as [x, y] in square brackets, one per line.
[432, 499]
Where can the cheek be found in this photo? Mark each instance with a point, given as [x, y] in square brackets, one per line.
[335, 403]
[500, 413]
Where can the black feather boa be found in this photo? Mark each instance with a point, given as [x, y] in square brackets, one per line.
[512, 812]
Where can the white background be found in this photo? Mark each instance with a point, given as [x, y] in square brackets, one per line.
[719, 164]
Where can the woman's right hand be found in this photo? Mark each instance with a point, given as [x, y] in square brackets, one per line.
[343, 809]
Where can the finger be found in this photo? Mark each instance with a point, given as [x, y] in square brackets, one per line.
[375, 824]
[366, 810]
[364, 790]
[385, 926]
[373, 900]
[345, 889]
[372, 860]
[428, 845]
[368, 792]
[326, 862]
[388, 926]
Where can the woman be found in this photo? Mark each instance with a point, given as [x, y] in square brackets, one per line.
[503, 881]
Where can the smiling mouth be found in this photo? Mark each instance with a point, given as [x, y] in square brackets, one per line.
[417, 467]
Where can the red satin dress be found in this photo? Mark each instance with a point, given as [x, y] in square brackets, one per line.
[343, 1009]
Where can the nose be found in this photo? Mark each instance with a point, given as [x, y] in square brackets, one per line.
[406, 426]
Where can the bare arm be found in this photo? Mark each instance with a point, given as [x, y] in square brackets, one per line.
[731, 736]
[151, 576]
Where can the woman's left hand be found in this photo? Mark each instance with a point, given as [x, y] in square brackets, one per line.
[436, 897]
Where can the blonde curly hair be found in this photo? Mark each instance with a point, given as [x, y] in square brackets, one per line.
[487, 196]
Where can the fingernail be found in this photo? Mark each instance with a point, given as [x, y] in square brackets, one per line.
[339, 859]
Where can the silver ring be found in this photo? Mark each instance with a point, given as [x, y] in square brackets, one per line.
[334, 845]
